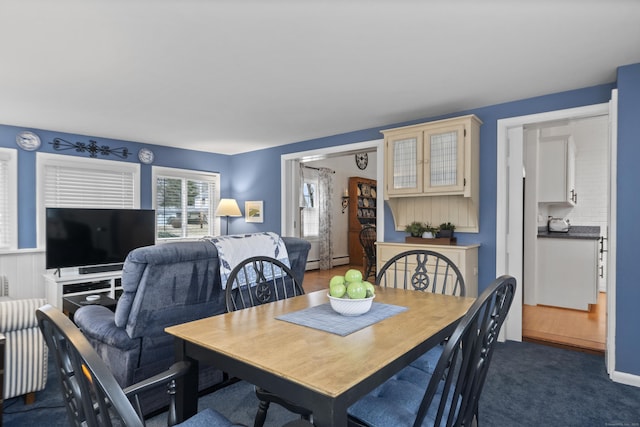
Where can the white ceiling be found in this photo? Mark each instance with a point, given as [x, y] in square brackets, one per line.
[234, 76]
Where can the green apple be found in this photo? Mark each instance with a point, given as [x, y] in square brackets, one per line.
[356, 290]
[371, 291]
[353, 275]
[336, 280]
[337, 290]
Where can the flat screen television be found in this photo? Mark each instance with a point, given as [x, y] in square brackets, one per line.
[96, 237]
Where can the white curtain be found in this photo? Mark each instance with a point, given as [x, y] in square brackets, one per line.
[316, 208]
[325, 204]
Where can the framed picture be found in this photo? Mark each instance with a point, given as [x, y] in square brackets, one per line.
[253, 211]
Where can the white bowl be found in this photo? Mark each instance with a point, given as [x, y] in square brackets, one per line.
[351, 307]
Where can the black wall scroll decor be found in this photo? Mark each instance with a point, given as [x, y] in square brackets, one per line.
[92, 148]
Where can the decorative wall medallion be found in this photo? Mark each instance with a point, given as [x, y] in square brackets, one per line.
[362, 160]
[145, 156]
[28, 140]
[92, 148]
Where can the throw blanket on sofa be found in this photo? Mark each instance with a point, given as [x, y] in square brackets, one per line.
[234, 249]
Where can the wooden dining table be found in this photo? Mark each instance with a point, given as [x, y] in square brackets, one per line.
[319, 370]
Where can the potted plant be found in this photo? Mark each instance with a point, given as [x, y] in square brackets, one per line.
[416, 228]
[446, 229]
[430, 232]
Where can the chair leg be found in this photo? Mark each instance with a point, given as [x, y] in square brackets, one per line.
[30, 398]
[261, 415]
[367, 270]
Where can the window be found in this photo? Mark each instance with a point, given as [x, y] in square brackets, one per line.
[8, 199]
[75, 182]
[310, 214]
[180, 194]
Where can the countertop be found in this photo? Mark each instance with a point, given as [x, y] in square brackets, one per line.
[575, 232]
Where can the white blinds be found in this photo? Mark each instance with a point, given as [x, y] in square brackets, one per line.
[83, 187]
[189, 194]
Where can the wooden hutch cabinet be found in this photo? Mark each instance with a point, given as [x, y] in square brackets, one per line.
[362, 211]
[432, 172]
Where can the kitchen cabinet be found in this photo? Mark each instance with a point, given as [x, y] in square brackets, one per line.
[567, 272]
[435, 158]
[556, 180]
[464, 257]
[362, 211]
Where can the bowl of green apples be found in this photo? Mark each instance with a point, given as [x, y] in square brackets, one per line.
[349, 295]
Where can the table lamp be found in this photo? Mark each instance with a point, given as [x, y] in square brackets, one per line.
[228, 207]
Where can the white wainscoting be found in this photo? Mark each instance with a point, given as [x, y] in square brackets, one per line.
[25, 271]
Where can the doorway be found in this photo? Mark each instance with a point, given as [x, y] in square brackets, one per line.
[509, 209]
[569, 323]
[338, 158]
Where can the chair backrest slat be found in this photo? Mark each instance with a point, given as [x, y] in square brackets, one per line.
[422, 270]
[259, 280]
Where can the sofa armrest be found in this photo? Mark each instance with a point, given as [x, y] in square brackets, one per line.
[98, 323]
[298, 251]
[17, 314]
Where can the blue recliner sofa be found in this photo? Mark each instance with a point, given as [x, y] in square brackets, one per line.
[163, 285]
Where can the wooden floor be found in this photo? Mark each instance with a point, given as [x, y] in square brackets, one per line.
[315, 280]
[571, 329]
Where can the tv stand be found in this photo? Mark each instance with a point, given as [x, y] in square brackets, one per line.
[107, 283]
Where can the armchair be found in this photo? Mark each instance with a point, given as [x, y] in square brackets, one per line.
[25, 351]
[163, 285]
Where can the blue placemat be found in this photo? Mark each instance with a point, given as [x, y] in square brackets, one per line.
[323, 317]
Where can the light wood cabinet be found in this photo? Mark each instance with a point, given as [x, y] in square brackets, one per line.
[556, 180]
[432, 172]
[435, 158]
[464, 257]
[362, 211]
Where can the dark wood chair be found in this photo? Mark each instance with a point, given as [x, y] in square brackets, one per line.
[92, 396]
[422, 270]
[368, 236]
[449, 395]
[427, 271]
[255, 281]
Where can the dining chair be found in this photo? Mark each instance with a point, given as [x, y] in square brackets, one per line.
[255, 281]
[368, 236]
[448, 396]
[422, 270]
[91, 394]
[428, 271]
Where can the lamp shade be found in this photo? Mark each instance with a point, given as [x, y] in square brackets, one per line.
[228, 207]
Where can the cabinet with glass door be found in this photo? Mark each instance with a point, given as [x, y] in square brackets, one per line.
[435, 158]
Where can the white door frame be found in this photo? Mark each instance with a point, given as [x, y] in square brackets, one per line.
[509, 203]
[289, 182]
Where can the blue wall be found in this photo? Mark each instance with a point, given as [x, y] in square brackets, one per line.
[627, 271]
[164, 156]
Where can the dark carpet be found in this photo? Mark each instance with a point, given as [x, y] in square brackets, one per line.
[527, 385]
